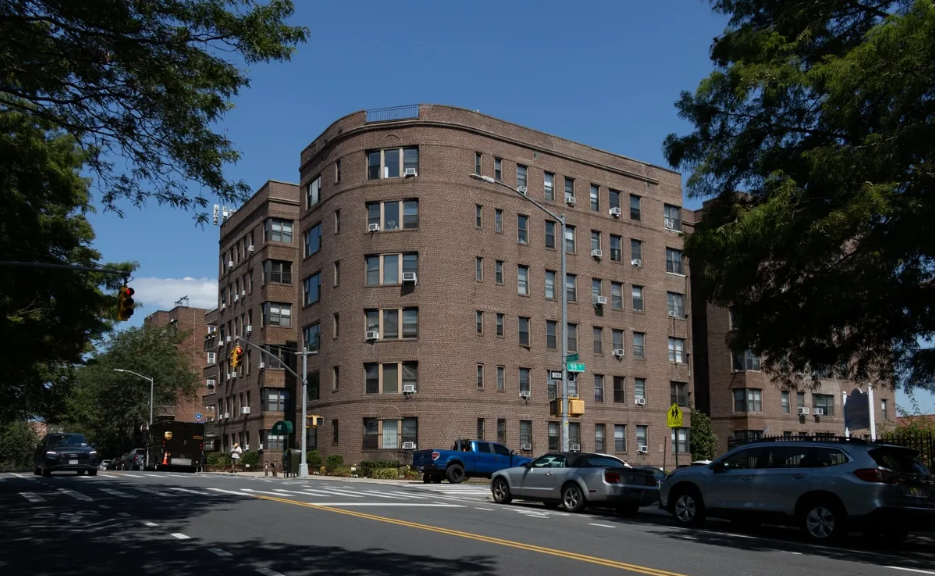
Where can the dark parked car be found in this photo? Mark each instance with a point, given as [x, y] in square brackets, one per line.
[65, 452]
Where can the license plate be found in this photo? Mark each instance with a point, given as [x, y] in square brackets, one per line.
[916, 491]
[72, 462]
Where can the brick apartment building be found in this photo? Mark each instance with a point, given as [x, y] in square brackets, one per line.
[745, 403]
[403, 272]
[191, 320]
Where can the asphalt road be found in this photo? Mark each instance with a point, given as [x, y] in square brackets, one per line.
[207, 524]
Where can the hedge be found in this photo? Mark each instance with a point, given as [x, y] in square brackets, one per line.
[334, 461]
[385, 473]
[218, 459]
[340, 470]
[313, 458]
[250, 458]
[367, 467]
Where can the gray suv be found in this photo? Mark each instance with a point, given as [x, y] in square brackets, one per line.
[826, 486]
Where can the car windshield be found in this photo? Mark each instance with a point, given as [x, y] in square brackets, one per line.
[899, 460]
[67, 440]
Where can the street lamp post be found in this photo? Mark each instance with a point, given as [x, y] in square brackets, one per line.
[146, 465]
[564, 289]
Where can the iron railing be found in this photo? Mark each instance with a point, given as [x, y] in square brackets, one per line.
[393, 113]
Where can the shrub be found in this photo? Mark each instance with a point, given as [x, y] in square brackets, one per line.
[250, 458]
[218, 459]
[334, 461]
[385, 473]
[313, 458]
[367, 467]
[340, 470]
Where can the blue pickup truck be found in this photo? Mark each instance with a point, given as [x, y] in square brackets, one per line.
[466, 459]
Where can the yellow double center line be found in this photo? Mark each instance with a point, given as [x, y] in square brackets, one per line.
[481, 538]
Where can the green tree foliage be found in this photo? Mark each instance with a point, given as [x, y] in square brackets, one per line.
[111, 406]
[48, 316]
[824, 114]
[701, 438]
[17, 442]
[146, 80]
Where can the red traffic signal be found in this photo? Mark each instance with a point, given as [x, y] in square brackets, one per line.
[125, 303]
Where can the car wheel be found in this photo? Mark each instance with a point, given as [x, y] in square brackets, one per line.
[437, 479]
[455, 473]
[501, 492]
[46, 473]
[822, 521]
[688, 509]
[573, 498]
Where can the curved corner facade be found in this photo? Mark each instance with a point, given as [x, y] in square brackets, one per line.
[413, 276]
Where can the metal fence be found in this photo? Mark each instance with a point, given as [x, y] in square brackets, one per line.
[393, 113]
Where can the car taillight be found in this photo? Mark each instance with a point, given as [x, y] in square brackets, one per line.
[611, 477]
[650, 481]
[875, 475]
[435, 455]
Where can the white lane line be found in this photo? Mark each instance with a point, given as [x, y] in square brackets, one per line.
[178, 475]
[180, 536]
[150, 524]
[153, 475]
[485, 509]
[17, 475]
[910, 570]
[227, 491]
[32, 496]
[600, 525]
[76, 495]
[219, 552]
[268, 572]
[188, 491]
[117, 493]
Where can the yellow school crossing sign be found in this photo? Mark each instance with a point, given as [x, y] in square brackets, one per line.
[674, 417]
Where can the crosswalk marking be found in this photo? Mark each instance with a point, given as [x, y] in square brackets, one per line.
[315, 492]
[117, 493]
[188, 491]
[344, 493]
[228, 491]
[155, 492]
[32, 496]
[396, 494]
[76, 495]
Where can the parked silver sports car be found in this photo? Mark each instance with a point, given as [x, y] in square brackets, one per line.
[577, 480]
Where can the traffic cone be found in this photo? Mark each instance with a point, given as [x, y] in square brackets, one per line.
[165, 458]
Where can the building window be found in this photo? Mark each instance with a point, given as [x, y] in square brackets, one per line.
[677, 350]
[884, 409]
[786, 406]
[212, 358]
[498, 220]
[501, 378]
[549, 184]
[679, 440]
[571, 287]
[273, 399]
[480, 428]
[800, 399]
[278, 230]
[673, 217]
[525, 432]
[599, 438]
[678, 393]
[272, 441]
[616, 296]
[574, 435]
[551, 338]
[674, 261]
[498, 169]
[520, 175]
[394, 215]
[337, 170]
[620, 390]
[387, 269]
[524, 380]
[479, 322]
[549, 234]
[522, 229]
[823, 401]
[572, 337]
[500, 325]
[569, 239]
[569, 187]
[277, 272]
[595, 240]
[313, 240]
[477, 163]
[598, 387]
[637, 298]
[636, 252]
[598, 340]
[553, 436]
[311, 289]
[639, 388]
[617, 339]
[389, 377]
[550, 285]
[501, 430]
[479, 269]
[334, 432]
[620, 438]
[277, 314]
[614, 198]
[733, 317]
[745, 360]
[522, 280]
[524, 331]
[337, 324]
[313, 192]
[676, 303]
[337, 273]
[552, 387]
[634, 207]
[312, 337]
[595, 197]
[498, 271]
[479, 216]
[480, 376]
[597, 288]
[616, 248]
[335, 378]
[642, 437]
[391, 163]
[748, 400]
[313, 385]
[386, 322]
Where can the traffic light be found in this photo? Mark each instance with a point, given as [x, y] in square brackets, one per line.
[236, 357]
[125, 303]
[314, 421]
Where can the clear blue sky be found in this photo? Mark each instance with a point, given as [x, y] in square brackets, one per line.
[603, 73]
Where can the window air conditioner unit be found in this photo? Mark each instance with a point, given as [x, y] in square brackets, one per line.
[597, 253]
[249, 328]
[409, 278]
[250, 248]
[615, 212]
[636, 262]
[642, 449]
[262, 365]
[211, 383]
[409, 445]
[618, 352]
[640, 401]
[245, 410]
[373, 228]
[233, 375]
[223, 305]
[574, 447]
[819, 411]
[570, 200]
[372, 335]
[226, 415]
[674, 315]
[236, 297]
[409, 388]
[527, 447]
[228, 375]
[230, 263]
[525, 394]
[803, 411]
[599, 300]
[521, 190]
[243, 293]
[410, 172]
